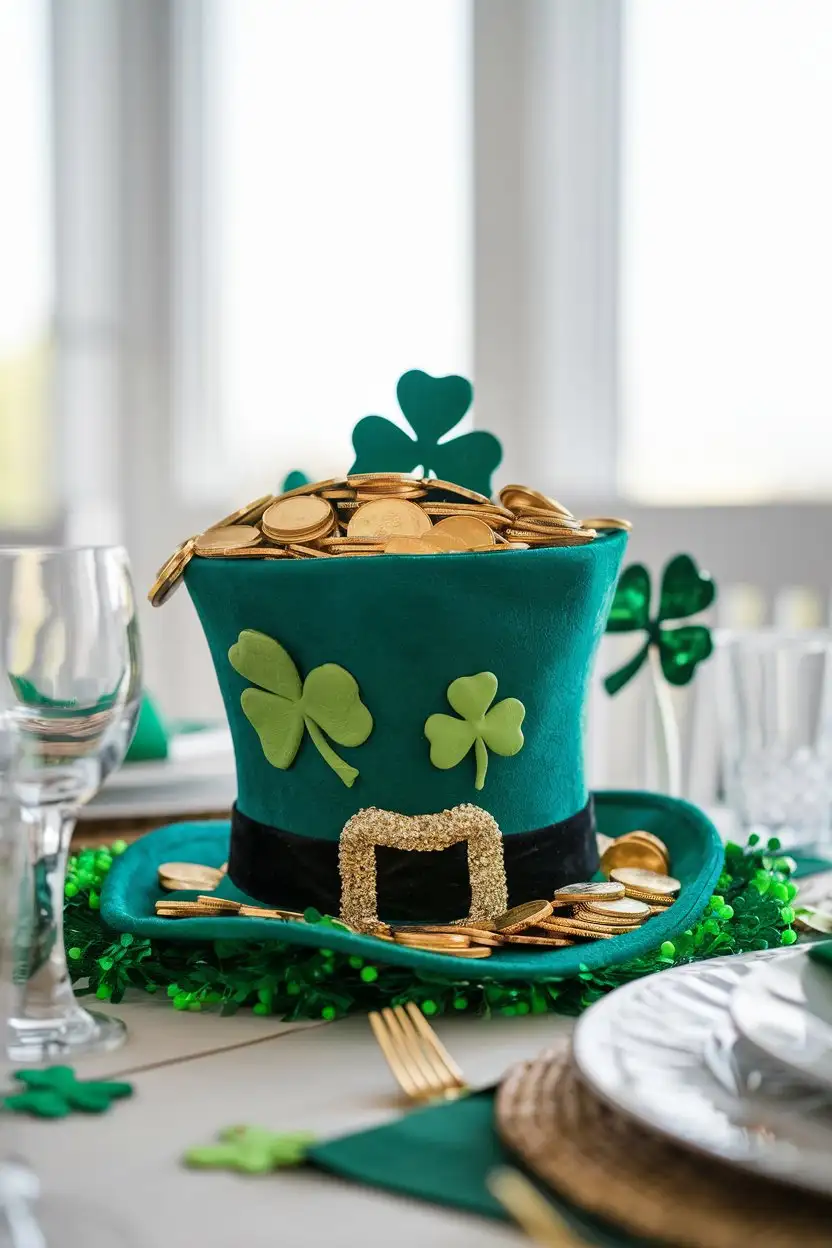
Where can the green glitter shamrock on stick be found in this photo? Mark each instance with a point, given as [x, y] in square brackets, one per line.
[497, 729]
[684, 592]
[433, 406]
[326, 702]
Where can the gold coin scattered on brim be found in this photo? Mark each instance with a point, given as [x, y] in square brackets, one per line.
[388, 517]
[619, 906]
[467, 529]
[231, 537]
[455, 951]
[550, 942]
[607, 522]
[652, 899]
[648, 881]
[633, 853]
[412, 936]
[310, 551]
[220, 903]
[525, 915]
[267, 912]
[291, 517]
[562, 922]
[589, 891]
[467, 929]
[443, 542]
[189, 875]
[183, 909]
[459, 491]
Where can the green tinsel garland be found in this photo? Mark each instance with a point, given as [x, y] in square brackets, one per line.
[753, 910]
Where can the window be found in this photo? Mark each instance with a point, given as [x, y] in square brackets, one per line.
[339, 227]
[726, 242]
[26, 298]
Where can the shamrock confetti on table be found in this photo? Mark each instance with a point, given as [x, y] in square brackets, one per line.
[497, 729]
[433, 406]
[327, 701]
[252, 1150]
[684, 592]
[56, 1092]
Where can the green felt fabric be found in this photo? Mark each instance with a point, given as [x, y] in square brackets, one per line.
[443, 1154]
[405, 628]
[132, 889]
[151, 740]
[821, 952]
[808, 864]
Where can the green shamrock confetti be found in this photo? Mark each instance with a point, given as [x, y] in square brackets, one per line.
[252, 1150]
[328, 701]
[497, 729]
[684, 591]
[55, 1092]
[433, 406]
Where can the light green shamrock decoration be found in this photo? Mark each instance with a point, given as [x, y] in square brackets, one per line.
[328, 701]
[252, 1150]
[497, 729]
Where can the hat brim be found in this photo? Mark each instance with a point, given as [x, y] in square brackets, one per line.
[696, 853]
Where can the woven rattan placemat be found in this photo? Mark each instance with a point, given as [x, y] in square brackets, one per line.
[600, 1161]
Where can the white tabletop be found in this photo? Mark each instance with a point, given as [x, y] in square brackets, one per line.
[196, 1073]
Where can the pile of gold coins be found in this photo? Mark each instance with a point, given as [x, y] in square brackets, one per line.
[382, 513]
[577, 913]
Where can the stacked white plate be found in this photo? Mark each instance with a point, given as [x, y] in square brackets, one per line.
[198, 776]
[731, 1058]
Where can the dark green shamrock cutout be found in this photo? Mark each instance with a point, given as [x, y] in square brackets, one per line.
[328, 701]
[294, 480]
[55, 1092]
[684, 592]
[252, 1150]
[433, 406]
[497, 729]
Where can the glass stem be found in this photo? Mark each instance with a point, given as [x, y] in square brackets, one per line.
[46, 988]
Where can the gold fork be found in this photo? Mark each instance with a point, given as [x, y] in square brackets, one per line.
[532, 1211]
[422, 1066]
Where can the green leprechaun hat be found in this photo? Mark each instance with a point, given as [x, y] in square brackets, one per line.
[408, 731]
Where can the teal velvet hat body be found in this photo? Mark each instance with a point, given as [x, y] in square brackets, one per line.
[406, 627]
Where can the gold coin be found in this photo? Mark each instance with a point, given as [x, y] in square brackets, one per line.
[514, 496]
[458, 491]
[525, 915]
[636, 854]
[297, 516]
[381, 478]
[233, 537]
[467, 529]
[366, 495]
[337, 539]
[388, 517]
[559, 923]
[409, 546]
[607, 522]
[646, 881]
[443, 542]
[338, 495]
[549, 942]
[621, 907]
[591, 891]
[198, 875]
[359, 554]
[183, 909]
[250, 514]
[413, 936]
[467, 929]
[649, 838]
[220, 903]
[310, 552]
[170, 574]
[250, 552]
[608, 924]
[492, 513]
[365, 548]
[652, 899]
[548, 519]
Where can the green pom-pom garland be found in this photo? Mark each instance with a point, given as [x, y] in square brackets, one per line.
[752, 909]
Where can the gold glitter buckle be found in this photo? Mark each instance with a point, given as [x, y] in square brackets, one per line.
[422, 833]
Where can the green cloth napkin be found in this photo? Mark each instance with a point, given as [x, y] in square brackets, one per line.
[152, 737]
[443, 1155]
[821, 951]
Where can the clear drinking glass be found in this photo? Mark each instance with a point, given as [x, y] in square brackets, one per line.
[775, 702]
[69, 700]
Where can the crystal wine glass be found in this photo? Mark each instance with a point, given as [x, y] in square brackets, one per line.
[69, 701]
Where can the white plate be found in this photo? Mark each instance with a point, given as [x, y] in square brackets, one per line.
[665, 1051]
[197, 776]
[786, 1011]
